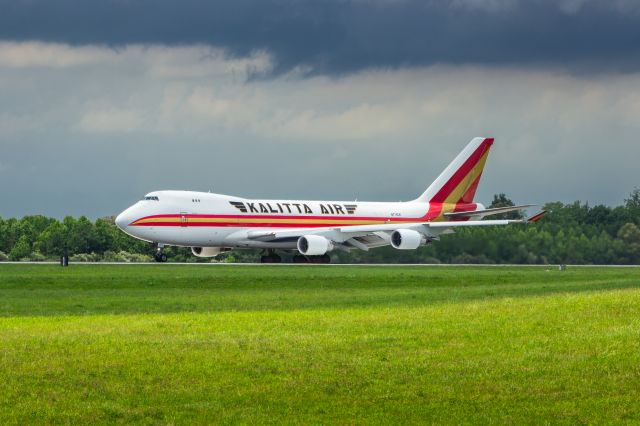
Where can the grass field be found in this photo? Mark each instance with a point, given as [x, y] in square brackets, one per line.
[162, 344]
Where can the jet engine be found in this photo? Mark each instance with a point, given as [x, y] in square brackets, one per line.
[208, 251]
[407, 239]
[314, 245]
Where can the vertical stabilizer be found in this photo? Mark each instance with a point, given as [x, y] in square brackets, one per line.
[459, 181]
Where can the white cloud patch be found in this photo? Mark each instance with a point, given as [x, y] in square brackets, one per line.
[50, 55]
[112, 120]
[187, 61]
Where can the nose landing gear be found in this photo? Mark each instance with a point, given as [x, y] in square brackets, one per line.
[160, 256]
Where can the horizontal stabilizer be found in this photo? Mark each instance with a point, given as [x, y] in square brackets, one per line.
[488, 212]
[537, 217]
[472, 223]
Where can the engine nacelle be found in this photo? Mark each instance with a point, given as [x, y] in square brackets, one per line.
[208, 251]
[407, 239]
[314, 245]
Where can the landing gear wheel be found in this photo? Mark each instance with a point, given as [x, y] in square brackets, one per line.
[160, 256]
[298, 258]
[325, 258]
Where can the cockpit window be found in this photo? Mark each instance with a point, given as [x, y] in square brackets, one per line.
[151, 198]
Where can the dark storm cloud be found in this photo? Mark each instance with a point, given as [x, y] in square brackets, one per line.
[341, 36]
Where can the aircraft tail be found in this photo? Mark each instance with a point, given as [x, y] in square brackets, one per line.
[459, 181]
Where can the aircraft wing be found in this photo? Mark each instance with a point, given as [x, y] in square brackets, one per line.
[486, 212]
[365, 237]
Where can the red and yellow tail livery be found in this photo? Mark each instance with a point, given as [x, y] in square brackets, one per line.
[455, 188]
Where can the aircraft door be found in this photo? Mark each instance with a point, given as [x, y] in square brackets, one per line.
[183, 219]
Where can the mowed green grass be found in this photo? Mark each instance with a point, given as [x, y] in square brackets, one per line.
[174, 344]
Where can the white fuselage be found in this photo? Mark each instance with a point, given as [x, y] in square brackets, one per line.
[197, 219]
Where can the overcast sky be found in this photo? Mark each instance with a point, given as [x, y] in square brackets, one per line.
[104, 101]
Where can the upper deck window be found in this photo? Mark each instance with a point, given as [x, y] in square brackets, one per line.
[151, 198]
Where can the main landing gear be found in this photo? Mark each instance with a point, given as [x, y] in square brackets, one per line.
[270, 257]
[298, 258]
[160, 256]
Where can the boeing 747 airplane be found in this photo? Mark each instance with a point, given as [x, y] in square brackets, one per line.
[213, 223]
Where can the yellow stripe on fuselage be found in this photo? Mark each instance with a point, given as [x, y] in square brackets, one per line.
[301, 221]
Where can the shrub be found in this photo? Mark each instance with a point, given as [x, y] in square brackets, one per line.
[36, 256]
[124, 256]
[85, 257]
[466, 258]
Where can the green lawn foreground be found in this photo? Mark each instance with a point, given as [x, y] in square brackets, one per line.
[175, 344]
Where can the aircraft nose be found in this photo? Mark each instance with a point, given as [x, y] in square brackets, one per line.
[123, 219]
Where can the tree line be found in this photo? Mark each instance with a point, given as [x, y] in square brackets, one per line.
[573, 233]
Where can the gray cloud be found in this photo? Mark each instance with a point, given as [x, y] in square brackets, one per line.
[88, 130]
[343, 36]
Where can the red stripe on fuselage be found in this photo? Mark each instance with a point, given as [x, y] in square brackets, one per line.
[249, 225]
[235, 220]
[274, 216]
